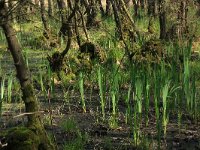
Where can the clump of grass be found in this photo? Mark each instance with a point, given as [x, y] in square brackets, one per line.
[69, 125]
[78, 143]
[79, 139]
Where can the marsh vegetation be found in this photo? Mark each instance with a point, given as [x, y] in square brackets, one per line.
[92, 74]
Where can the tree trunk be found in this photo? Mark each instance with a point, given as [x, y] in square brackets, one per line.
[162, 19]
[143, 4]
[37, 2]
[127, 2]
[119, 24]
[91, 11]
[151, 7]
[66, 27]
[62, 10]
[22, 10]
[101, 7]
[117, 19]
[44, 19]
[136, 8]
[108, 8]
[182, 15]
[198, 5]
[23, 75]
[12, 12]
[50, 8]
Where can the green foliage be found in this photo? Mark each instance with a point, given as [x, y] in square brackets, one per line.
[69, 125]
[22, 139]
[159, 72]
[78, 143]
[81, 88]
[77, 139]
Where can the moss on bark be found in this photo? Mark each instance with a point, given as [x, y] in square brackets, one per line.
[22, 138]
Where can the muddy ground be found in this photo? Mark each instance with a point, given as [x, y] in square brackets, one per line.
[99, 134]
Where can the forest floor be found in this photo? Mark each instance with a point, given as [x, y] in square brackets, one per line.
[67, 123]
[62, 114]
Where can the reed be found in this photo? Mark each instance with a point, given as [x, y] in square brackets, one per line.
[81, 88]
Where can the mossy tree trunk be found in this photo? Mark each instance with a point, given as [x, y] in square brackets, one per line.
[56, 60]
[23, 75]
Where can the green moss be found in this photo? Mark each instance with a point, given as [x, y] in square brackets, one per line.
[152, 51]
[94, 51]
[28, 92]
[22, 139]
[154, 48]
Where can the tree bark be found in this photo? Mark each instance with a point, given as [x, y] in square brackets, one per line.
[162, 19]
[37, 2]
[152, 7]
[119, 27]
[12, 12]
[182, 15]
[101, 7]
[44, 18]
[136, 8]
[23, 74]
[108, 8]
[91, 11]
[62, 10]
[50, 8]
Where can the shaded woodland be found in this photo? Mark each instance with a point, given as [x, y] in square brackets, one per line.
[99, 74]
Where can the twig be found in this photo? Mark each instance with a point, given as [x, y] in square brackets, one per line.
[28, 113]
